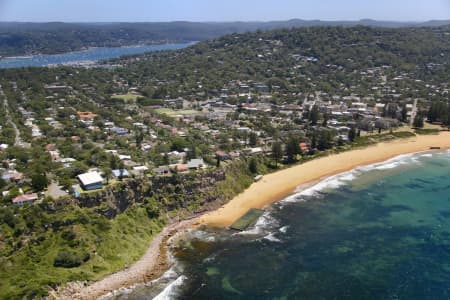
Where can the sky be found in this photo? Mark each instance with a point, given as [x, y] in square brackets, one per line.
[221, 10]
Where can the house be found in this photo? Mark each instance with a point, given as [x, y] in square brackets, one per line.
[122, 173]
[254, 151]
[27, 198]
[180, 168]
[162, 170]
[146, 147]
[196, 163]
[67, 161]
[119, 130]
[222, 155]
[140, 169]
[12, 176]
[54, 155]
[75, 138]
[91, 181]
[124, 157]
[86, 116]
[129, 163]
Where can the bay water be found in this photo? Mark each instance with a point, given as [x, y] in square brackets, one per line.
[85, 56]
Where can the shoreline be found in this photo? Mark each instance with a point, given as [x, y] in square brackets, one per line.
[272, 188]
[276, 186]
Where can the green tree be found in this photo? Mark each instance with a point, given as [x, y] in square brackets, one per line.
[252, 138]
[325, 120]
[122, 169]
[277, 152]
[2, 183]
[352, 134]
[314, 115]
[107, 172]
[139, 137]
[292, 148]
[325, 140]
[39, 181]
[253, 165]
[178, 144]
[404, 114]
[418, 121]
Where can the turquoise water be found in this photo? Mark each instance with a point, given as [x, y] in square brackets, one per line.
[91, 55]
[377, 232]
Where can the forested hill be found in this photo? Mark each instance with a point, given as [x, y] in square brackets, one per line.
[56, 37]
[307, 59]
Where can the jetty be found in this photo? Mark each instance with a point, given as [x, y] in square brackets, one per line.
[247, 220]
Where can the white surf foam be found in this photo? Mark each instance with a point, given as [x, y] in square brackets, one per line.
[171, 291]
[271, 237]
[263, 223]
[283, 229]
[168, 276]
[202, 235]
[336, 181]
[331, 182]
[394, 162]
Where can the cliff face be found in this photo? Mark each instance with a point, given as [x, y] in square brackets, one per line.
[171, 192]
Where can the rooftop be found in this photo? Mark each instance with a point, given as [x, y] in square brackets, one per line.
[90, 178]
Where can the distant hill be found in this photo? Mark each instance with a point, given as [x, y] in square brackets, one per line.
[18, 38]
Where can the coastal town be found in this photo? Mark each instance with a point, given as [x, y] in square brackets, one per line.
[153, 140]
[83, 146]
[147, 132]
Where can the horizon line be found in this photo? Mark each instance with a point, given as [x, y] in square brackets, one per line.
[236, 21]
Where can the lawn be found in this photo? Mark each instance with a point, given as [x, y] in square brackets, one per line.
[126, 97]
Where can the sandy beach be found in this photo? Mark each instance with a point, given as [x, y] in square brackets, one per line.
[277, 185]
[271, 188]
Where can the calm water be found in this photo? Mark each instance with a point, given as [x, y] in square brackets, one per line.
[377, 232]
[91, 55]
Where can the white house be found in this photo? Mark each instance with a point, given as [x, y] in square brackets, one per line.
[91, 181]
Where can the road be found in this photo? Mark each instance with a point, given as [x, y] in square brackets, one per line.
[18, 141]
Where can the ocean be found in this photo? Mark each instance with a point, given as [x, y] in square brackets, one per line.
[86, 56]
[377, 232]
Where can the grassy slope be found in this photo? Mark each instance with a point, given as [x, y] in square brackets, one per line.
[111, 244]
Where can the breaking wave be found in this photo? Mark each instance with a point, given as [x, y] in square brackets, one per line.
[336, 181]
[265, 222]
[271, 237]
[171, 291]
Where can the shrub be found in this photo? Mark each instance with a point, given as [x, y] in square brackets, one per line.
[70, 259]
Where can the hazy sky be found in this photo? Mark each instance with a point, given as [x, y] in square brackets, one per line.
[220, 10]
